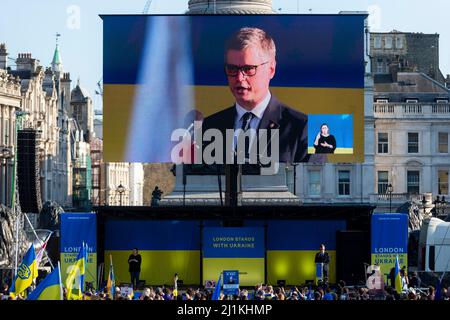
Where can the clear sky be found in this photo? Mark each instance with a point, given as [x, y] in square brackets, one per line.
[31, 27]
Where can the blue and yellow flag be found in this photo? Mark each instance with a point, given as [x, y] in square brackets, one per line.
[398, 278]
[111, 282]
[50, 288]
[75, 278]
[216, 293]
[27, 271]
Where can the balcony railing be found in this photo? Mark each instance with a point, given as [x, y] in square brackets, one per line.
[411, 110]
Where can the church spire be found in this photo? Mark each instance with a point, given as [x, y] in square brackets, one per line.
[57, 65]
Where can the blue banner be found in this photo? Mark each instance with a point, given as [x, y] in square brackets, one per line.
[303, 235]
[233, 243]
[389, 241]
[389, 233]
[76, 228]
[165, 235]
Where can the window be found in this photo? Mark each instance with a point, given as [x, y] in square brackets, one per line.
[377, 42]
[441, 101]
[413, 183]
[383, 181]
[399, 42]
[383, 142]
[344, 182]
[382, 100]
[413, 142]
[388, 42]
[443, 142]
[443, 182]
[412, 101]
[314, 183]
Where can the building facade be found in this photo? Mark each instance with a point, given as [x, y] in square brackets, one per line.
[417, 52]
[136, 183]
[117, 188]
[10, 107]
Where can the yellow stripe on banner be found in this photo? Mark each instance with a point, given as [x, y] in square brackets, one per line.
[386, 261]
[251, 270]
[311, 150]
[118, 103]
[158, 266]
[296, 267]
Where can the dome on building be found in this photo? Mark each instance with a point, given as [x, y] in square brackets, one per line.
[230, 7]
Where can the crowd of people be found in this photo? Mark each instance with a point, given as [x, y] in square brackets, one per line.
[265, 292]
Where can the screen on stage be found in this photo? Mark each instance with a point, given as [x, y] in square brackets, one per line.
[247, 89]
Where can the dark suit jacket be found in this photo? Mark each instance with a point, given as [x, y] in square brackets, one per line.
[292, 126]
[325, 259]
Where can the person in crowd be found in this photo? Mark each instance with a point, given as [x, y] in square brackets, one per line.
[134, 267]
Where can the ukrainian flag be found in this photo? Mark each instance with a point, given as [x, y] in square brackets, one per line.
[50, 288]
[26, 273]
[111, 283]
[75, 278]
[216, 293]
[398, 278]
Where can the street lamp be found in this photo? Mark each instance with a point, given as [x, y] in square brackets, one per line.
[120, 189]
[389, 190]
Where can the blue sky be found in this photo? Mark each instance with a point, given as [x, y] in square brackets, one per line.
[32, 27]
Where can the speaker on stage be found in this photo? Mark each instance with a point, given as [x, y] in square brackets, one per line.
[28, 172]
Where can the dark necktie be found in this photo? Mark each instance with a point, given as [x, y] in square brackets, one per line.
[246, 119]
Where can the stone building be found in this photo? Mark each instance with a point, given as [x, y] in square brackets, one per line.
[10, 106]
[417, 52]
[82, 111]
[412, 131]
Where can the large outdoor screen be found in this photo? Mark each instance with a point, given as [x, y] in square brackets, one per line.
[257, 89]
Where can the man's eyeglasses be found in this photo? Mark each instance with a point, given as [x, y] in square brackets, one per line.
[247, 70]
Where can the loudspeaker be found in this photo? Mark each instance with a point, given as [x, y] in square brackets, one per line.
[352, 252]
[28, 172]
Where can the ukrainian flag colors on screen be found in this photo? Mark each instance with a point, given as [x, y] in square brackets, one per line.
[158, 68]
[166, 248]
[169, 247]
[292, 246]
[389, 240]
[239, 249]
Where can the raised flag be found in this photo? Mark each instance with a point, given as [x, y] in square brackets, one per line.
[27, 271]
[111, 282]
[397, 276]
[216, 293]
[75, 278]
[41, 252]
[50, 288]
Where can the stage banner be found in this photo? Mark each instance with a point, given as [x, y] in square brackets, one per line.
[293, 244]
[76, 228]
[389, 238]
[234, 249]
[166, 247]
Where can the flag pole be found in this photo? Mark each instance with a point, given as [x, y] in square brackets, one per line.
[40, 242]
[60, 282]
